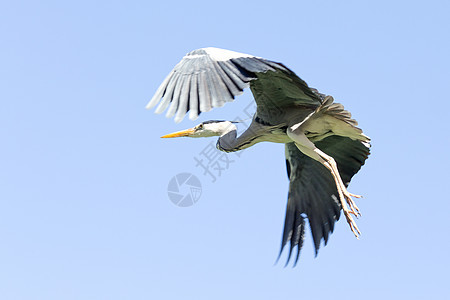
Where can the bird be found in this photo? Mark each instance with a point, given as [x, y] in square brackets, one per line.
[324, 148]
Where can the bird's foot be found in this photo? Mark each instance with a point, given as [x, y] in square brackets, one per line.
[355, 196]
[351, 209]
[351, 222]
[352, 205]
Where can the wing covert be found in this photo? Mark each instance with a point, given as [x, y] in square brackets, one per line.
[209, 77]
[204, 79]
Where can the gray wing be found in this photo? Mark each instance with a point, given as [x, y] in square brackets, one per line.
[312, 190]
[210, 77]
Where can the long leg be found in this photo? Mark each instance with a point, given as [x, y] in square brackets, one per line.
[308, 148]
[354, 209]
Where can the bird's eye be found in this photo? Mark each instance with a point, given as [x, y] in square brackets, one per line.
[200, 126]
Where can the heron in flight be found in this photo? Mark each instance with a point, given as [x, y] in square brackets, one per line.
[324, 148]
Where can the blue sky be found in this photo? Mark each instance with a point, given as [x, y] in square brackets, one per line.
[84, 208]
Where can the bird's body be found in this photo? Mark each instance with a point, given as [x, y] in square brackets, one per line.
[324, 148]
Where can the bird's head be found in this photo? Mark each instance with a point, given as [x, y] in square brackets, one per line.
[205, 129]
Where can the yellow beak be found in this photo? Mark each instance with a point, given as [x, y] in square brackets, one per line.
[186, 132]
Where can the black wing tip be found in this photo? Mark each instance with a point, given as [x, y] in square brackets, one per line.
[288, 260]
[298, 245]
[316, 252]
[295, 236]
[289, 256]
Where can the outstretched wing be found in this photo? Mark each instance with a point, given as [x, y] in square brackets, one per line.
[312, 190]
[210, 77]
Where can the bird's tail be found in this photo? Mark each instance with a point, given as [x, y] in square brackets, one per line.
[337, 110]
